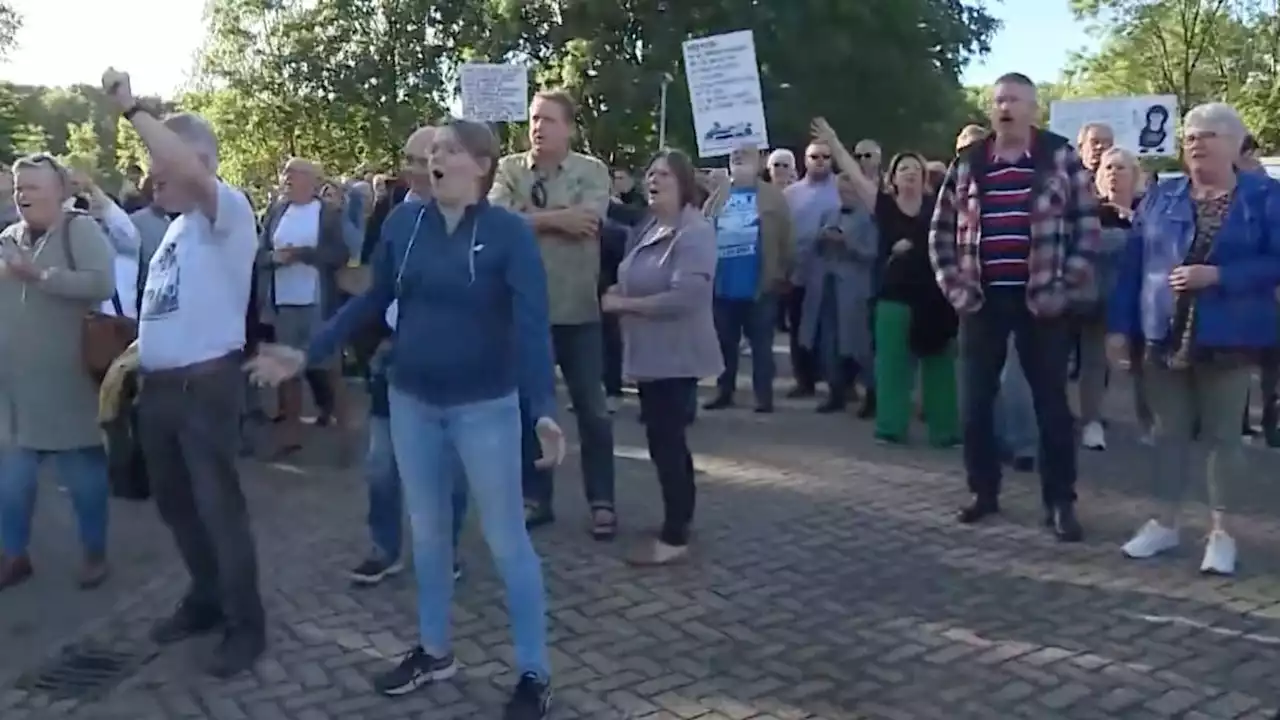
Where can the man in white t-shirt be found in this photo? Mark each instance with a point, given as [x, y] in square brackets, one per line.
[191, 339]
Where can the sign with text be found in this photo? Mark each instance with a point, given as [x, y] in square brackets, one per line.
[1145, 125]
[724, 89]
[495, 93]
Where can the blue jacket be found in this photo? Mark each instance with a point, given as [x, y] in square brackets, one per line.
[472, 314]
[1240, 311]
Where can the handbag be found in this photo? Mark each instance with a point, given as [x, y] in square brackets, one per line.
[103, 337]
[126, 463]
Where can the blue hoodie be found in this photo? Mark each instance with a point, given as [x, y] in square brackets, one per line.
[473, 322]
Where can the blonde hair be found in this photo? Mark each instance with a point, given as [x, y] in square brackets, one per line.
[1085, 128]
[969, 135]
[1139, 177]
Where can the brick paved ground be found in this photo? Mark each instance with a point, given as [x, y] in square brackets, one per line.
[829, 582]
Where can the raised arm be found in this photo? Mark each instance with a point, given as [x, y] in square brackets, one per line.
[867, 188]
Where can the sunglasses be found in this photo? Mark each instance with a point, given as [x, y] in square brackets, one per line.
[820, 157]
[538, 194]
[864, 155]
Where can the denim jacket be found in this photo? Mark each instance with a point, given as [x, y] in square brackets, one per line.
[1240, 311]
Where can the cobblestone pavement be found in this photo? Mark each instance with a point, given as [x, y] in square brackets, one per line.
[829, 581]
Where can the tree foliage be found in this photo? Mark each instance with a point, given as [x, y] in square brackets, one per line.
[1198, 50]
[345, 81]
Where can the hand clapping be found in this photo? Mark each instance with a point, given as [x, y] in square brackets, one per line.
[275, 364]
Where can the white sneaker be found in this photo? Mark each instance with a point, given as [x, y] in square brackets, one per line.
[1219, 554]
[1094, 437]
[1151, 540]
[1148, 437]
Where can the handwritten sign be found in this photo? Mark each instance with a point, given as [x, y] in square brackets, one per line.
[1145, 125]
[724, 88]
[495, 93]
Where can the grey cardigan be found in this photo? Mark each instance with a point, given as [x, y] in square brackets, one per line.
[671, 334]
[47, 400]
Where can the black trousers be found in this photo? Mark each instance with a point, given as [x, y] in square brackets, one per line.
[189, 426]
[803, 365]
[665, 412]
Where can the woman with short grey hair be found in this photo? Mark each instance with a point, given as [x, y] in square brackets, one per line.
[1197, 284]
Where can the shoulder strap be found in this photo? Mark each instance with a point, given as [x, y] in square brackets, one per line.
[66, 241]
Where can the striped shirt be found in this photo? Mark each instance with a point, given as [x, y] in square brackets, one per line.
[1006, 221]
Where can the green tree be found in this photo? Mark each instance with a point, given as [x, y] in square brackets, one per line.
[129, 149]
[84, 151]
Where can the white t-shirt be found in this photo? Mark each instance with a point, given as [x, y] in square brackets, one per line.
[299, 283]
[197, 291]
[126, 288]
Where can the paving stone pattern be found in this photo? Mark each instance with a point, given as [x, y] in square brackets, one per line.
[828, 582]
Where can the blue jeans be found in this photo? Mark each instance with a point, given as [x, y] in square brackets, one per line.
[579, 352]
[753, 318]
[1043, 345]
[83, 472]
[1015, 420]
[485, 436]
[386, 503]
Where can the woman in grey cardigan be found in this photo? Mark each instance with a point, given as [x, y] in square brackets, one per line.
[835, 321]
[663, 300]
[56, 267]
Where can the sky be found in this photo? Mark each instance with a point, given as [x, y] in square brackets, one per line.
[65, 42]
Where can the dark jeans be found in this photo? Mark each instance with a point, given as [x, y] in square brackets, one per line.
[664, 410]
[189, 426]
[612, 355]
[579, 353]
[753, 318]
[1043, 347]
[802, 362]
[1269, 363]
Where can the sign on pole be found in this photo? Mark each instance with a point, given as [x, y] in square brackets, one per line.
[1145, 125]
[495, 93]
[724, 89]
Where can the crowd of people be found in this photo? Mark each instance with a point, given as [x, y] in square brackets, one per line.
[974, 282]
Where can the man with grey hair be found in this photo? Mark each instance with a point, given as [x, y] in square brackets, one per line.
[191, 339]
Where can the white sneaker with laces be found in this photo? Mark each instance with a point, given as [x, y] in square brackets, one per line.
[1094, 436]
[1219, 554]
[1150, 540]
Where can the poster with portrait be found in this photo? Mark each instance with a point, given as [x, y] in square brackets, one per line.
[1145, 125]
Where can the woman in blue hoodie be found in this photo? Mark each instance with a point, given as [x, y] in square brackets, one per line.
[1197, 284]
[471, 339]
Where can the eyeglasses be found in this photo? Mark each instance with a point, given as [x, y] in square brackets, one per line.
[538, 194]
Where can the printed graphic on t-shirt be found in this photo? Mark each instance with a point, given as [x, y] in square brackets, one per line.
[737, 226]
[161, 296]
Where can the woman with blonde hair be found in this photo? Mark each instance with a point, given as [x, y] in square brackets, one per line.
[1119, 181]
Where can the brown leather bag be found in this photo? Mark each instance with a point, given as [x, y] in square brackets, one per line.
[103, 337]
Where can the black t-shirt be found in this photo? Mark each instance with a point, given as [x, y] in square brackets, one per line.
[903, 276]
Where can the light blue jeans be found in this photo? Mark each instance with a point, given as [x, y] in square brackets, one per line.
[1015, 416]
[83, 472]
[486, 436]
[386, 502]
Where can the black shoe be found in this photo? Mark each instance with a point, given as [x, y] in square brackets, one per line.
[535, 516]
[868, 409]
[1023, 464]
[187, 621]
[1049, 517]
[1065, 525]
[764, 408]
[530, 701]
[801, 391]
[237, 652]
[978, 511]
[830, 405]
[415, 670]
[374, 570]
[720, 402]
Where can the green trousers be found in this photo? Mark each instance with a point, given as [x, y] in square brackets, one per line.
[895, 380]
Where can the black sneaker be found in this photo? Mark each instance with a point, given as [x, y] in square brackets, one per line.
[415, 670]
[237, 653]
[374, 570]
[530, 701]
[186, 622]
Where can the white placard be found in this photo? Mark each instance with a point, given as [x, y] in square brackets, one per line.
[1145, 125]
[495, 93]
[724, 89]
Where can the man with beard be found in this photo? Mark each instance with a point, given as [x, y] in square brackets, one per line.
[1009, 273]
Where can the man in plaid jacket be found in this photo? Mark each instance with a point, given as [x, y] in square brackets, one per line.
[1013, 238]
